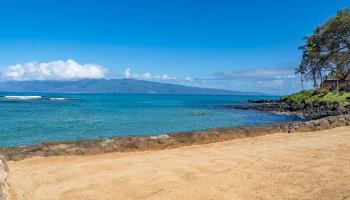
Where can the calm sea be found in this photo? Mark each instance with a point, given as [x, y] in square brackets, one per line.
[28, 118]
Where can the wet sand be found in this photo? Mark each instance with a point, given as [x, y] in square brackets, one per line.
[312, 165]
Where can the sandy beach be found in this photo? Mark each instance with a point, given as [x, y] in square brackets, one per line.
[312, 165]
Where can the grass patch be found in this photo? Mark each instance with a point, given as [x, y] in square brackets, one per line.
[324, 97]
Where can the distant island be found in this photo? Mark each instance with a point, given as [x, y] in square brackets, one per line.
[131, 86]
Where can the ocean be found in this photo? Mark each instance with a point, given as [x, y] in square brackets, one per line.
[29, 118]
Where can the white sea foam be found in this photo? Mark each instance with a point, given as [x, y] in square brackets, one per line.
[57, 99]
[156, 137]
[22, 97]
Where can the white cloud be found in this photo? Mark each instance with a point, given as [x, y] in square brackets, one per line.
[55, 70]
[148, 76]
[127, 73]
[188, 78]
[166, 77]
[277, 83]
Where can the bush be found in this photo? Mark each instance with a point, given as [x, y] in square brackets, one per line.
[299, 97]
[318, 97]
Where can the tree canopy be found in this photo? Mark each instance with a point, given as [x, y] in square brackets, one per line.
[327, 51]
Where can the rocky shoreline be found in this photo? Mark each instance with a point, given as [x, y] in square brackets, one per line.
[308, 111]
[172, 140]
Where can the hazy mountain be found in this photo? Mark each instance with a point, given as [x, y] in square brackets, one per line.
[110, 86]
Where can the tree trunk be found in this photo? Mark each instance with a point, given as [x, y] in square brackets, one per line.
[314, 79]
[302, 82]
[321, 79]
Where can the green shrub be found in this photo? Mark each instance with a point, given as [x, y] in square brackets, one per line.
[318, 96]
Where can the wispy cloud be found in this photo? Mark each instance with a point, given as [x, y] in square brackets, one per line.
[147, 76]
[55, 70]
[258, 73]
[269, 80]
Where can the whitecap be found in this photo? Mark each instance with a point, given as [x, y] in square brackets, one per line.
[22, 97]
[199, 113]
[57, 99]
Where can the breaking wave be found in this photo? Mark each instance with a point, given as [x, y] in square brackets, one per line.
[57, 99]
[32, 98]
[22, 97]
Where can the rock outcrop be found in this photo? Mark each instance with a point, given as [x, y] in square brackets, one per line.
[309, 111]
[172, 140]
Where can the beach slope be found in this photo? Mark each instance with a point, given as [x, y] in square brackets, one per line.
[313, 165]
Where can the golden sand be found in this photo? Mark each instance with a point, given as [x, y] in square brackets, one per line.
[279, 166]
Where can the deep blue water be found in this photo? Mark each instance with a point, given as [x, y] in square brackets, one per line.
[77, 116]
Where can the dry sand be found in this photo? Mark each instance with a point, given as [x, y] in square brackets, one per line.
[279, 166]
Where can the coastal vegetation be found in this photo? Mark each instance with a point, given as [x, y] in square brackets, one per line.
[318, 97]
[326, 54]
[326, 62]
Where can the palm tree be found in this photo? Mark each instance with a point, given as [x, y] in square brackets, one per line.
[327, 49]
[301, 70]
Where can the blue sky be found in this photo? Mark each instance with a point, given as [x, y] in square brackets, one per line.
[236, 45]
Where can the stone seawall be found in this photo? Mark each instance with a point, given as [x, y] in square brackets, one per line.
[172, 140]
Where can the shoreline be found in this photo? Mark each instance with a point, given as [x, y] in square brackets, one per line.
[308, 111]
[310, 165]
[166, 141]
[157, 142]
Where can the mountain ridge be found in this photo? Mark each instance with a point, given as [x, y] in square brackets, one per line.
[131, 86]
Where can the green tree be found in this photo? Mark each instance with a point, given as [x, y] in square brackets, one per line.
[312, 57]
[327, 50]
[335, 42]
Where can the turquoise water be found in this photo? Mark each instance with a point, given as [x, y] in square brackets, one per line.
[29, 120]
